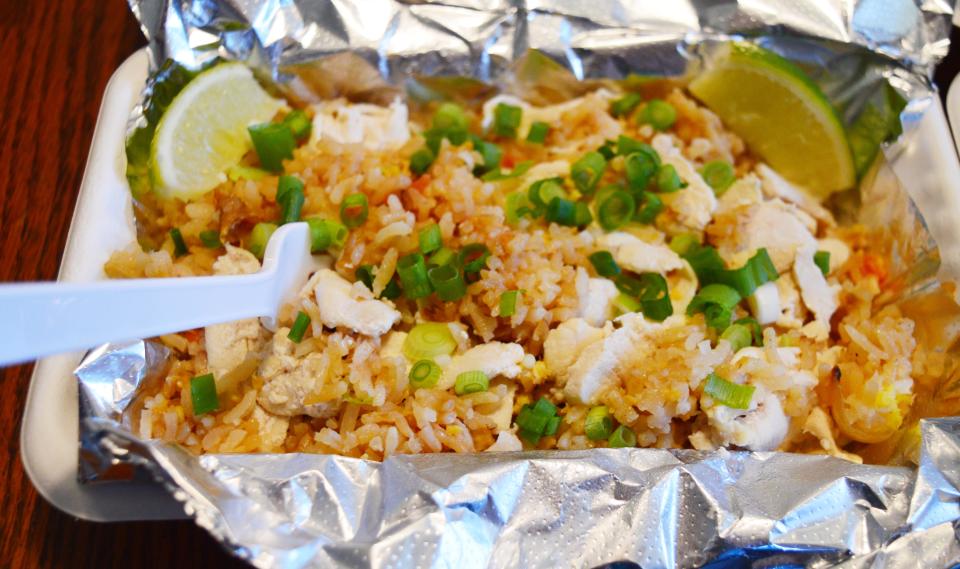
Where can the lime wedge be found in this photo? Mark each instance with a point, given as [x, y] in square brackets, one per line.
[781, 114]
[204, 130]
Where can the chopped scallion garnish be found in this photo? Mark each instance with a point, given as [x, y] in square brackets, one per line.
[604, 264]
[442, 257]
[716, 302]
[354, 210]
[290, 198]
[491, 155]
[257, 243]
[508, 303]
[625, 304]
[471, 382]
[430, 239]
[649, 208]
[517, 205]
[428, 340]
[450, 116]
[625, 104]
[728, 393]
[412, 270]
[424, 374]
[542, 192]
[659, 114]
[506, 120]
[325, 233]
[683, 242]
[538, 132]
[623, 437]
[203, 394]
[599, 423]
[822, 260]
[274, 143]
[538, 420]
[211, 239]
[738, 335]
[420, 161]
[447, 282]
[587, 171]
[562, 212]
[179, 246]
[299, 327]
[640, 167]
[299, 124]
[473, 257]
[616, 210]
[668, 180]
[718, 175]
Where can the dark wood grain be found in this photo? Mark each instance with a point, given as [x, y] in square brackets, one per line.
[55, 60]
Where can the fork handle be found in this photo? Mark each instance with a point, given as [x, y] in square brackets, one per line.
[39, 319]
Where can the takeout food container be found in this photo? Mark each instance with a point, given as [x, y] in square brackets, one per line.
[536, 508]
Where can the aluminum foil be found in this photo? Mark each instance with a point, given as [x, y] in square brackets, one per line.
[605, 507]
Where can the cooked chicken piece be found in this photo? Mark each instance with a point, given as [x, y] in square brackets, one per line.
[272, 430]
[565, 342]
[495, 359]
[506, 442]
[776, 186]
[839, 252]
[695, 204]
[229, 343]
[762, 427]
[288, 380]
[773, 225]
[745, 191]
[349, 306]
[634, 254]
[595, 302]
[818, 296]
[373, 126]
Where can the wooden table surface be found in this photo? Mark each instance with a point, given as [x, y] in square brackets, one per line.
[56, 63]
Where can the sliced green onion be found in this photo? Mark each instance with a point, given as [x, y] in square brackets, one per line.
[490, 153]
[354, 210]
[443, 256]
[412, 270]
[562, 212]
[718, 175]
[274, 143]
[517, 205]
[822, 260]
[640, 167]
[628, 284]
[738, 335]
[627, 145]
[471, 382]
[716, 302]
[211, 239]
[519, 170]
[420, 161]
[543, 406]
[425, 374]
[473, 257]
[659, 114]
[742, 333]
[538, 132]
[179, 246]
[706, 263]
[508, 303]
[392, 290]
[203, 394]
[757, 271]
[290, 197]
[728, 393]
[364, 274]
[450, 116]
[542, 192]
[447, 282]
[299, 327]
[608, 150]
[299, 124]
[581, 215]
[604, 264]
[587, 171]
[668, 180]
[430, 239]
[654, 297]
[538, 420]
[325, 234]
[625, 104]
[616, 210]
[623, 437]
[649, 208]
[428, 340]
[257, 243]
[683, 242]
[552, 425]
[506, 120]
[599, 423]
[625, 304]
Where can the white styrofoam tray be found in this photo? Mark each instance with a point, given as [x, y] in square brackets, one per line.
[103, 222]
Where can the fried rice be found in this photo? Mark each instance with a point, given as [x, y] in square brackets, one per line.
[832, 371]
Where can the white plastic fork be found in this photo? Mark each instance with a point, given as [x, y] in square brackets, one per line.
[39, 319]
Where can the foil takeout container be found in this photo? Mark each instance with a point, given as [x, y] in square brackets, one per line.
[603, 507]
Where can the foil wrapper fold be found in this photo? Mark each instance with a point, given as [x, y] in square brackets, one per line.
[604, 507]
